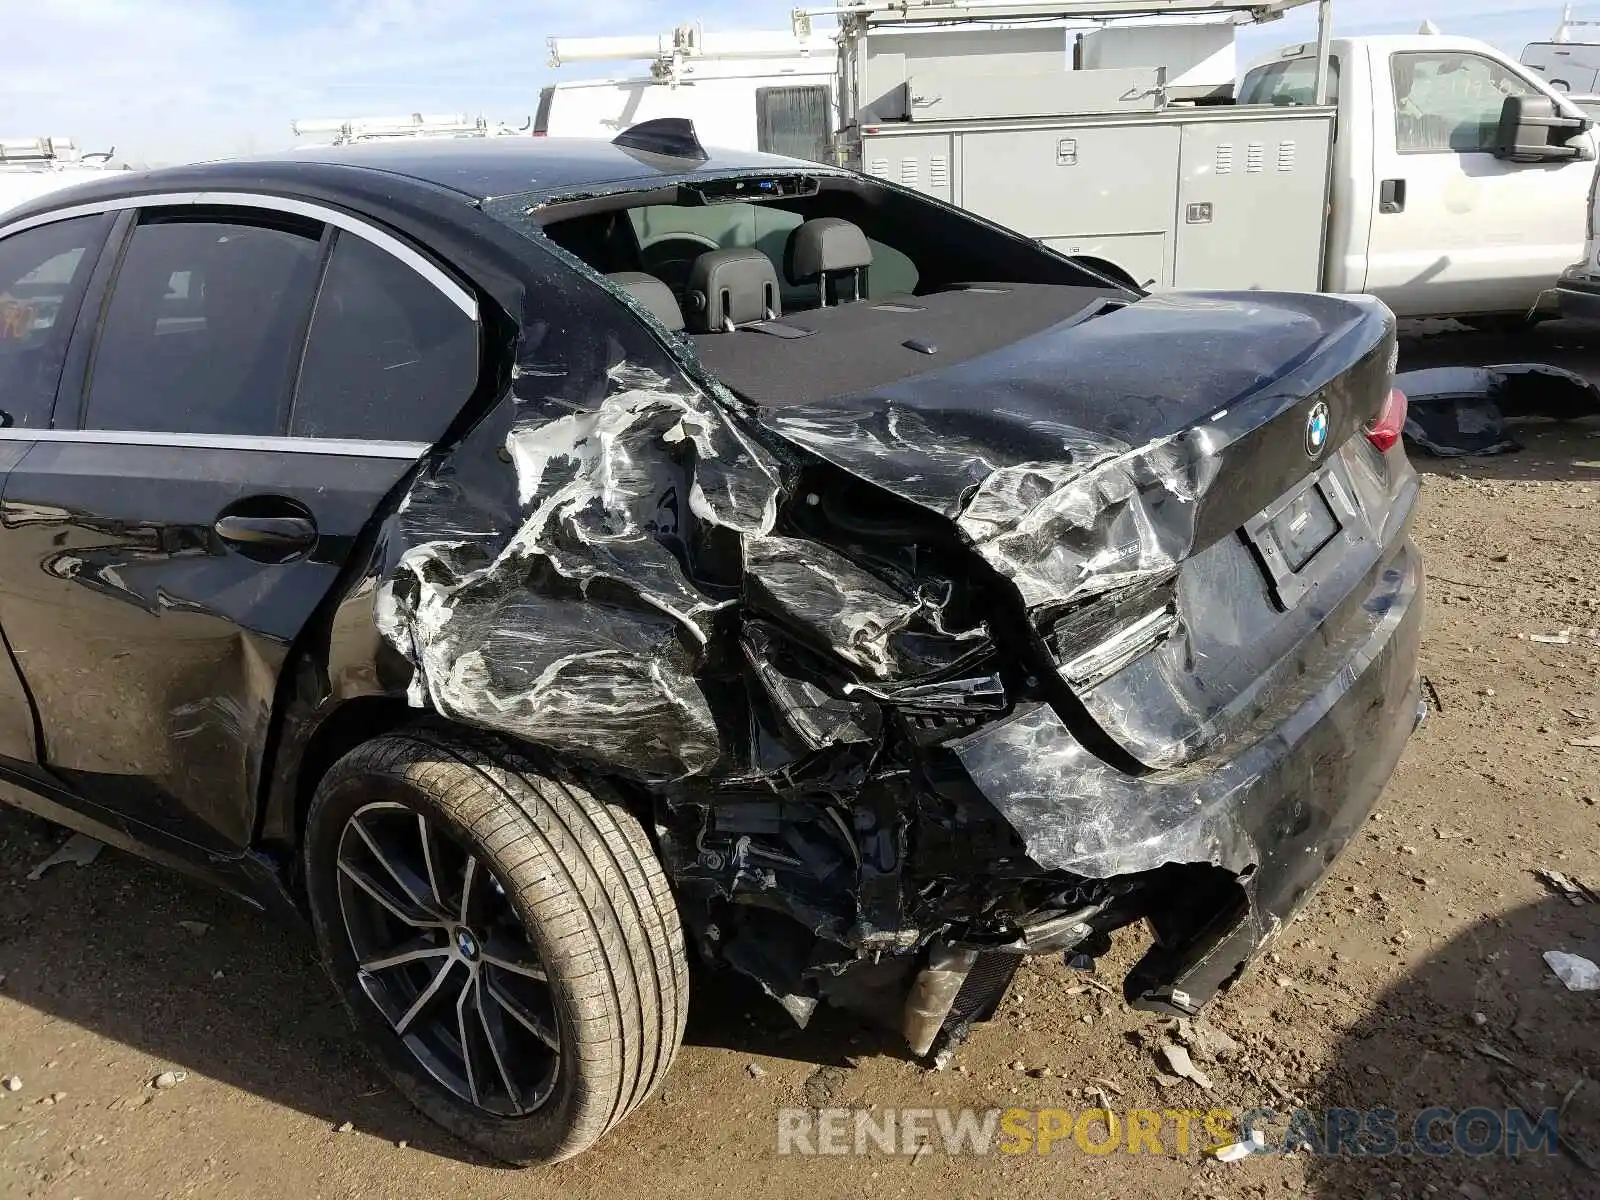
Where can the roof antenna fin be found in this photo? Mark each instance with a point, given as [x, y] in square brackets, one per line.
[672, 137]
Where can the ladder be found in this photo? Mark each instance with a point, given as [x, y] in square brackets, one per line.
[672, 56]
[415, 125]
[859, 20]
[914, 12]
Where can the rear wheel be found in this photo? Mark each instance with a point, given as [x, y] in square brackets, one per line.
[504, 938]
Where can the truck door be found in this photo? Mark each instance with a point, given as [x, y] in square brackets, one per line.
[1454, 229]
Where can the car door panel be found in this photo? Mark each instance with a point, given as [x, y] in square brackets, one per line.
[151, 646]
[19, 732]
[1465, 232]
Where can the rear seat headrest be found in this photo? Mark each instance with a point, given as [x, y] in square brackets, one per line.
[653, 294]
[732, 287]
[823, 245]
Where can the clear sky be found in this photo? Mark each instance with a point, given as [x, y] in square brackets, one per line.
[180, 79]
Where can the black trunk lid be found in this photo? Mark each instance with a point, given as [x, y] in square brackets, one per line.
[1132, 474]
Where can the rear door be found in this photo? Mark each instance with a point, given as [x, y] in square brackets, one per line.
[260, 377]
[1456, 230]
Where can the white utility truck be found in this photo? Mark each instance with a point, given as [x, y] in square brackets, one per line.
[1459, 179]
[1433, 172]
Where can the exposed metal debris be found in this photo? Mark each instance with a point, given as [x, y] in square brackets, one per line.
[556, 606]
[79, 850]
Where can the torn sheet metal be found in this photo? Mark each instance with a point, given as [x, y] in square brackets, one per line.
[549, 585]
[1462, 411]
[1102, 516]
[818, 718]
[1068, 495]
[1079, 815]
[855, 613]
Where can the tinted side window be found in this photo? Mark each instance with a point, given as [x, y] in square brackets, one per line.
[1293, 82]
[201, 334]
[1450, 102]
[794, 121]
[42, 272]
[389, 355]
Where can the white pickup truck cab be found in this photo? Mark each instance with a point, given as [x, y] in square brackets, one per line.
[1428, 211]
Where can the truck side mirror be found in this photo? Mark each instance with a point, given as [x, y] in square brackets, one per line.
[1533, 129]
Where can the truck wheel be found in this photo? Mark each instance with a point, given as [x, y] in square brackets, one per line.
[504, 939]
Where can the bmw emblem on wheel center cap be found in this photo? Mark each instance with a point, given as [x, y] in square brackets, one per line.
[466, 945]
[1317, 430]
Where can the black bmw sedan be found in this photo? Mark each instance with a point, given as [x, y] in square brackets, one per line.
[539, 561]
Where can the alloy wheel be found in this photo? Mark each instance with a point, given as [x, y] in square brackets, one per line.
[443, 956]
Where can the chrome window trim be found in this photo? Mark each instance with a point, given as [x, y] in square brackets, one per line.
[348, 447]
[453, 291]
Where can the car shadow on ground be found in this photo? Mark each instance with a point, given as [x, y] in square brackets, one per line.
[191, 979]
[1552, 452]
[197, 981]
[1483, 1024]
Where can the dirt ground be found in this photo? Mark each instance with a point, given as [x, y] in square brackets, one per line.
[1414, 979]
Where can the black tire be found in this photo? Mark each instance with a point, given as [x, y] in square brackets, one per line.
[593, 902]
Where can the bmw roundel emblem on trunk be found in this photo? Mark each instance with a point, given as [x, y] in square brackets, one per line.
[1317, 430]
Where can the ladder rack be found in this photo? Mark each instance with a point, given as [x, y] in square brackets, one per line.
[672, 56]
[415, 125]
[859, 20]
[43, 153]
[913, 12]
[1570, 22]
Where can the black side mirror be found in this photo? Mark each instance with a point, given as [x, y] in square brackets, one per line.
[1534, 129]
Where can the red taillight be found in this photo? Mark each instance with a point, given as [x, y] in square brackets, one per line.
[1384, 433]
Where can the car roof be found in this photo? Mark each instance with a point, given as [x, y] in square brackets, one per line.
[475, 169]
[504, 166]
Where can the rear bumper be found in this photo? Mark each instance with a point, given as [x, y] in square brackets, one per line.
[1274, 817]
[1578, 294]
